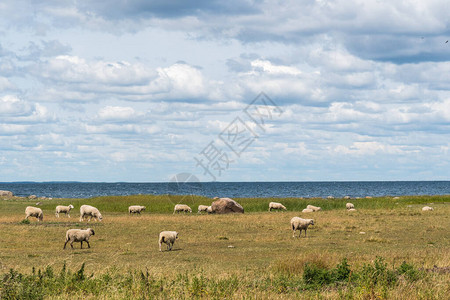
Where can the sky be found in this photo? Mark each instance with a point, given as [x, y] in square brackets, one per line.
[141, 91]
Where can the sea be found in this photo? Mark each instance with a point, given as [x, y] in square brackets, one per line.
[229, 189]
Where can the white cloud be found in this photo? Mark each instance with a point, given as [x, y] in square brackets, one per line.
[117, 113]
[12, 106]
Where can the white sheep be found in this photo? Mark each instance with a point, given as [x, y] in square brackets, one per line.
[202, 208]
[136, 209]
[300, 224]
[92, 212]
[182, 207]
[349, 205]
[168, 237]
[276, 205]
[63, 209]
[427, 208]
[209, 210]
[314, 208]
[307, 210]
[32, 211]
[78, 235]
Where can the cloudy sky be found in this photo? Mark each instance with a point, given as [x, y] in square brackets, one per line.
[142, 90]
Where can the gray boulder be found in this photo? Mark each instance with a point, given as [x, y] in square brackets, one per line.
[226, 206]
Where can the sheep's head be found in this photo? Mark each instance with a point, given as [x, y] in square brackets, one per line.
[143, 207]
[70, 206]
[91, 231]
[41, 216]
[99, 216]
[311, 222]
[176, 236]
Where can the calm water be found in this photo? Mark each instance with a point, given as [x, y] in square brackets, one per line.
[230, 189]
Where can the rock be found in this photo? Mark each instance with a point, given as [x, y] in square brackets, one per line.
[307, 210]
[347, 197]
[32, 197]
[330, 197]
[427, 208]
[368, 197]
[6, 194]
[226, 206]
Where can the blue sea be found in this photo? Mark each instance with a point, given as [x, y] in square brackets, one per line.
[230, 189]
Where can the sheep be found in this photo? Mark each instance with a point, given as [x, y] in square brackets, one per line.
[307, 210]
[136, 209]
[352, 209]
[63, 209]
[427, 208]
[349, 205]
[300, 224]
[182, 207]
[346, 197]
[209, 210]
[36, 212]
[202, 208]
[78, 235]
[314, 208]
[92, 212]
[276, 205]
[168, 237]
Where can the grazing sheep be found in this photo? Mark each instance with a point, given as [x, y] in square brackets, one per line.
[330, 197]
[314, 208]
[300, 224]
[346, 197]
[349, 205]
[182, 207]
[63, 209]
[202, 208]
[307, 210]
[31, 211]
[78, 235]
[276, 205]
[92, 212]
[136, 209]
[427, 208]
[168, 237]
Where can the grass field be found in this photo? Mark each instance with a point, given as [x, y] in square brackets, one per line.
[393, 250]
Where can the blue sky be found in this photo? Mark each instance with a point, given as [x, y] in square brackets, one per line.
[142, 90]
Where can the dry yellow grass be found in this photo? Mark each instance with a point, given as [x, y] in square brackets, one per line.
[259, 239]
[261, 243]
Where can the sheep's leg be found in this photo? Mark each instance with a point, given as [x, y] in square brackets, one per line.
[57, 215]
[68, 215]
[71, 244]
[81, 244]
[89, 246]
[293, 234]
[159, 246]
[65, 244]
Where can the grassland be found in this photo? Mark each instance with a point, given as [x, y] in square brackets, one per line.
[251, 255]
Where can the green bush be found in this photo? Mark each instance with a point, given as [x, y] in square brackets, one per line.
[409, 271]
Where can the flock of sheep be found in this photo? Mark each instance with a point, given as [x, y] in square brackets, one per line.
[167, 237]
